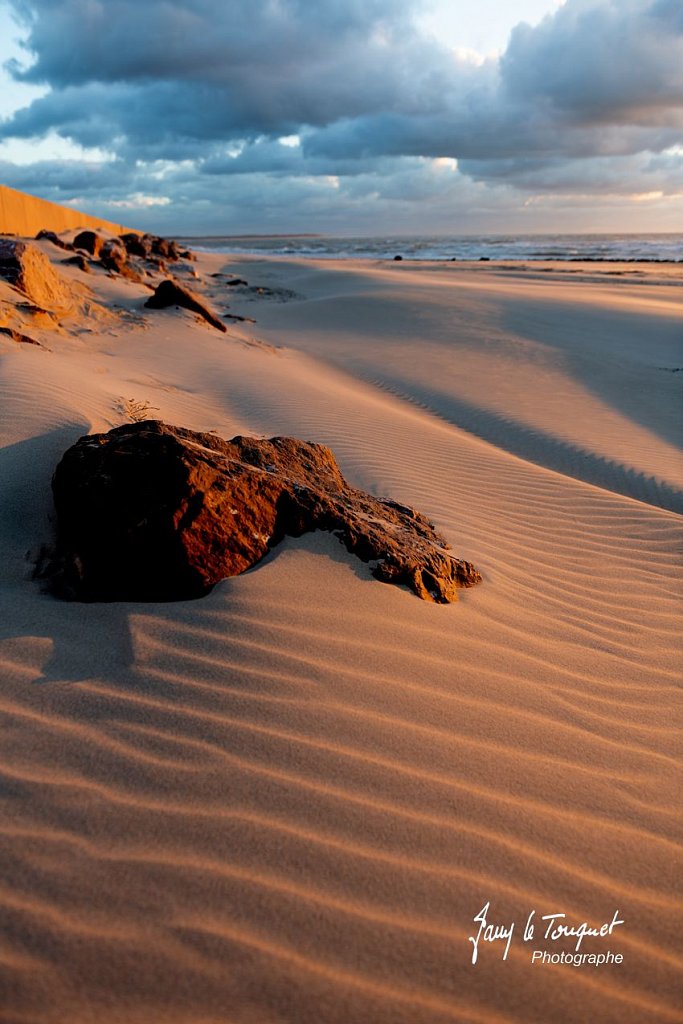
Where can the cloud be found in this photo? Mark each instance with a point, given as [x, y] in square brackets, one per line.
[224, 41]
[56, 179]
[607, 62]
[209, 87]
[632, 175]
[262, 66]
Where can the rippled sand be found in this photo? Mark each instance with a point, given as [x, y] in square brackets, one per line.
[288, 801]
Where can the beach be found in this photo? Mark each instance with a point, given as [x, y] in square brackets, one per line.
[290, 801]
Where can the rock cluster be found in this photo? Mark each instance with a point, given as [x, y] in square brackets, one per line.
[124, 255]
[113, 253]
[150, 511]
[152, 247]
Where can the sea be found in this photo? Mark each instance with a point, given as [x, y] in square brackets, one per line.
[666, 248]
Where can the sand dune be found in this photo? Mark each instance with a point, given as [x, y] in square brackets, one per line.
[286, 802]
[23, 214]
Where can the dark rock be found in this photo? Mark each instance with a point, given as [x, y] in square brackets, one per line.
[154, 512]
[114, 257]
[90, 241]
[22, 339]
[396, 258]
[166, 248]
[50, 236]
[153, 245]
[152, 248]
[236, 281]
[137, 245]
[78, 261]
[170, 293]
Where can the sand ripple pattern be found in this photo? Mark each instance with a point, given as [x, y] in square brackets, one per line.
[284, 804]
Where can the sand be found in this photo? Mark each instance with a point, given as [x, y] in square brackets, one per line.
[287, 802]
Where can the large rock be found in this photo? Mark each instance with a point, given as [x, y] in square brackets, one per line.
[171, 293]
[154, 512]
[90, 241]
[29, 270]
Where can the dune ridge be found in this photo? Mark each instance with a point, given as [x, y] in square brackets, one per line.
[24, 214]
[286, 802]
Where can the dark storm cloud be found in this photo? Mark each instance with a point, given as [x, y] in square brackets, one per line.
[262, 65]
[228, 41]
[615, 61]
[581, 102]
[597, 77]
[161, 115]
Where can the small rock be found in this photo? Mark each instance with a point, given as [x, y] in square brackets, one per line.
[170, 293]
[78, 261]
[22, 339]
[50, 236]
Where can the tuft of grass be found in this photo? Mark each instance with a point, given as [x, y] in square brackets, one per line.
[137, 410]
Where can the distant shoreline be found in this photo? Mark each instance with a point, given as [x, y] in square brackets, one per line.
[227, 238]
[578, 248]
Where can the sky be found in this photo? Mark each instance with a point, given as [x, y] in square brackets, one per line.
[348, 116]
